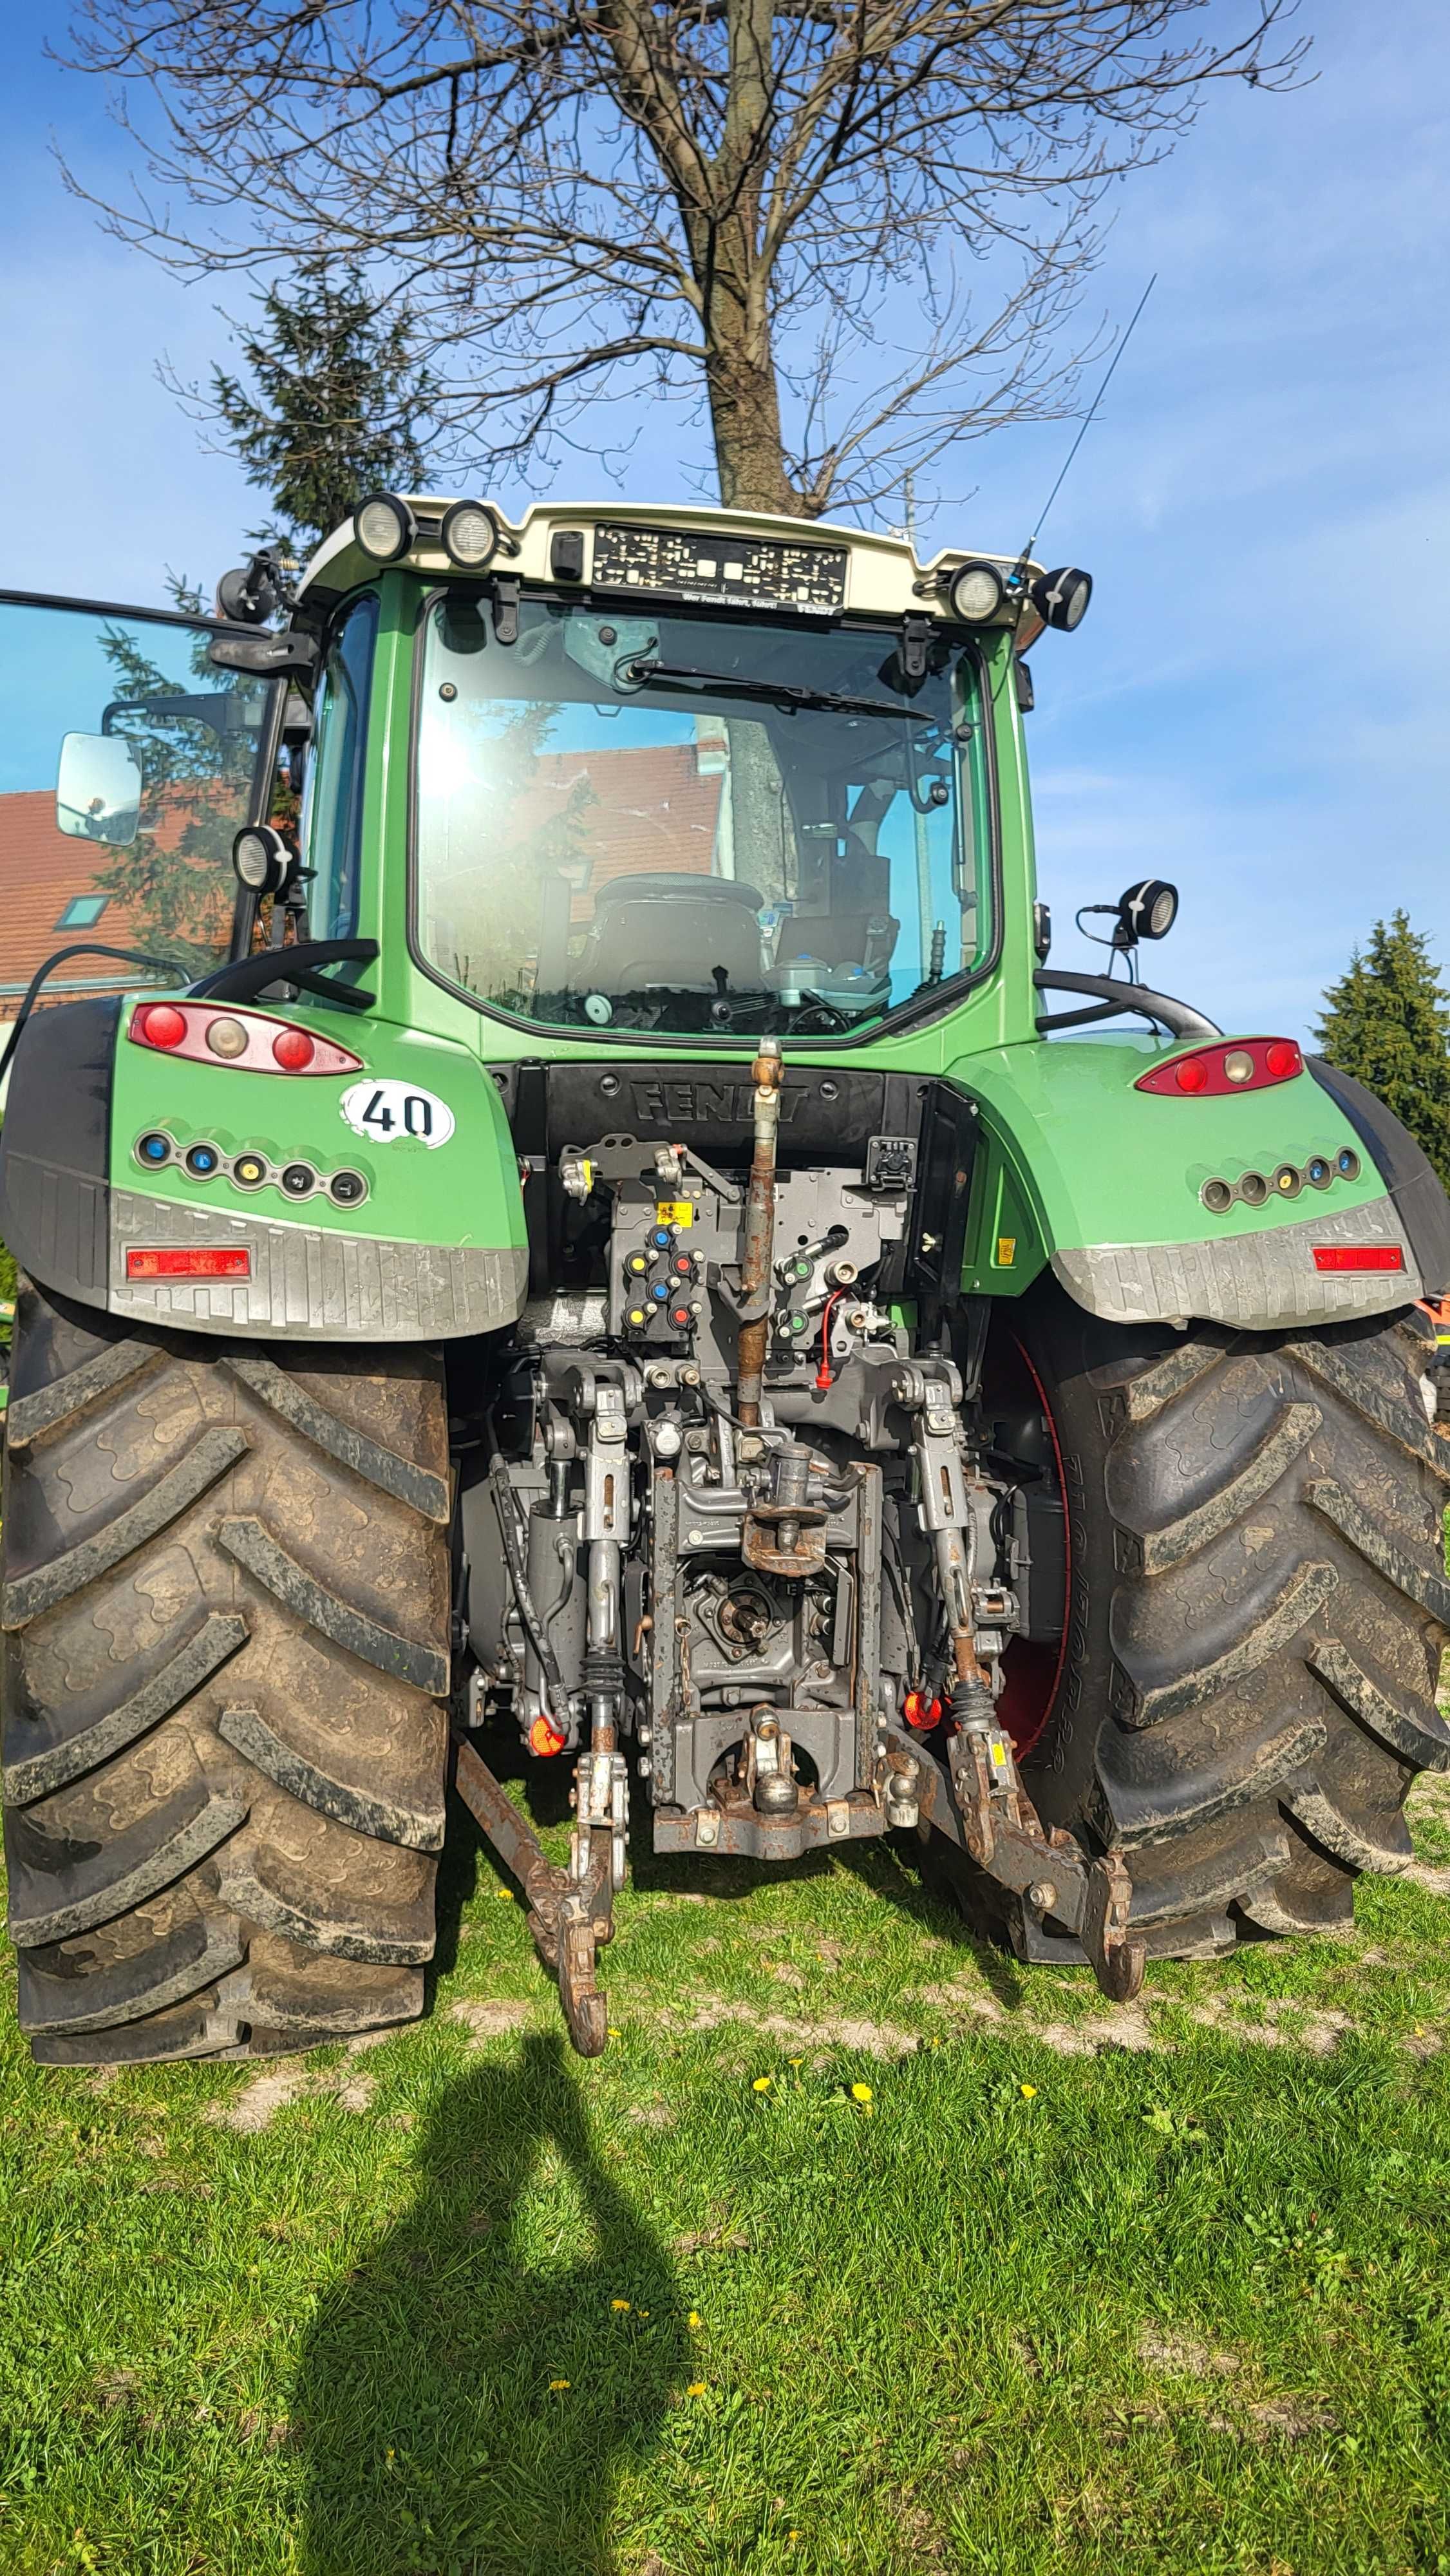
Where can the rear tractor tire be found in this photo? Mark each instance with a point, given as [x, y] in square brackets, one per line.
[1257, 1609]
[226, 1603]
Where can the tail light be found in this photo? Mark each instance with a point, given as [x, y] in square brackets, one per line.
[251, 1041]
[1250, 1064]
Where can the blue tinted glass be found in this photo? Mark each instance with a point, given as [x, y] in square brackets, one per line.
[160, 751]
[681, 821]
[334, 823]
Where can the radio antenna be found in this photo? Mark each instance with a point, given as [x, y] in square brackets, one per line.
[1025, 557]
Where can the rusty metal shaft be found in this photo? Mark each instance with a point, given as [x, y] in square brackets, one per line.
[755, 1270]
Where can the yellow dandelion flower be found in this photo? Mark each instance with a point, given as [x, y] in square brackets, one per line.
[620, 2307]
[696, 2388]
[1028, 2092]
[796, 2061]
[762, 2084]
[644, 2312]
[558, 2383]
[861, 2093]
[505, 1895]
[612, 2034]
[694, 2318]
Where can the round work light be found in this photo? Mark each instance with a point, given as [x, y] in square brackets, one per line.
[1061, 598]
[384, 526]
[975, 593]
[1146, 910]
[260, 859]
[470, 535]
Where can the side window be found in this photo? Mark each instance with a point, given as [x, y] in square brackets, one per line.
[333, 834]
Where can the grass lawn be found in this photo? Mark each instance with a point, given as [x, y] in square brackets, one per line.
[861, 2249]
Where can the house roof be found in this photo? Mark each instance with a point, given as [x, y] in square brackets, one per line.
[41, 871]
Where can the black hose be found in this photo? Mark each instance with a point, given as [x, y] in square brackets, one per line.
[498, 1477]
[166, 966]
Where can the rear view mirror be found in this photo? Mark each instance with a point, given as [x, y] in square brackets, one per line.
[98, 791]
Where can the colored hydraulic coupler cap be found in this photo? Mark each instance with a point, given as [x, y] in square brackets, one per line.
[545, 1738]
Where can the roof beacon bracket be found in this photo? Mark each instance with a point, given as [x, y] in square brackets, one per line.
[506, 609]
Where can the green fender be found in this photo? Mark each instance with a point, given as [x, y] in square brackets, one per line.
[1081, 1171]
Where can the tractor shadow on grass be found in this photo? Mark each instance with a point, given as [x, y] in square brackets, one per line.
[424, 2416]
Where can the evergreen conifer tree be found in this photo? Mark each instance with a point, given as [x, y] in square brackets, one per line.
[334, 405]
[1387, 1022]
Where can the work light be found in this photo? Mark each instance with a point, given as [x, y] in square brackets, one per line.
[260, 859]
[1148, 910]
[1061, 598]
[384, 526]
[470, 535]
[975, 593]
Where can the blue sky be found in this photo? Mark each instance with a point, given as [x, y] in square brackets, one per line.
[1256, 705]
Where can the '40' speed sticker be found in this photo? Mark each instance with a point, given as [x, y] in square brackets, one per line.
[389, 1111]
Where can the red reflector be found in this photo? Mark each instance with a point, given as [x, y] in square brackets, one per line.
[1358, 1256]
[293, 1050]
[1191, 1075]
[161, 1026]
[204, 1261]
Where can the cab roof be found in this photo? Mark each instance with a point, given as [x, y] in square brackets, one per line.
[793, 563]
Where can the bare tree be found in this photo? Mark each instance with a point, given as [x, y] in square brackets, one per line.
[855, 228]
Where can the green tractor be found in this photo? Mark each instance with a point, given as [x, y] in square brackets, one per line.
[596, 1229]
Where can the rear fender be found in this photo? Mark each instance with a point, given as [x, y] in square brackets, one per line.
[1105, 1183]
[435, 1248]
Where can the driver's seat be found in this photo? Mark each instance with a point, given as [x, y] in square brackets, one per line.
[671, 928]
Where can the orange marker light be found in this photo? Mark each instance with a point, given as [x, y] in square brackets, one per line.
[920, 1711]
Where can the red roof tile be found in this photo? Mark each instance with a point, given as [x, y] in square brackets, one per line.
[40, 870]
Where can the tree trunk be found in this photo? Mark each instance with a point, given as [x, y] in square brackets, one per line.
[749, 450]
[740, 370]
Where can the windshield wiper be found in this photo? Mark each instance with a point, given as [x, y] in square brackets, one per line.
[783, 693]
